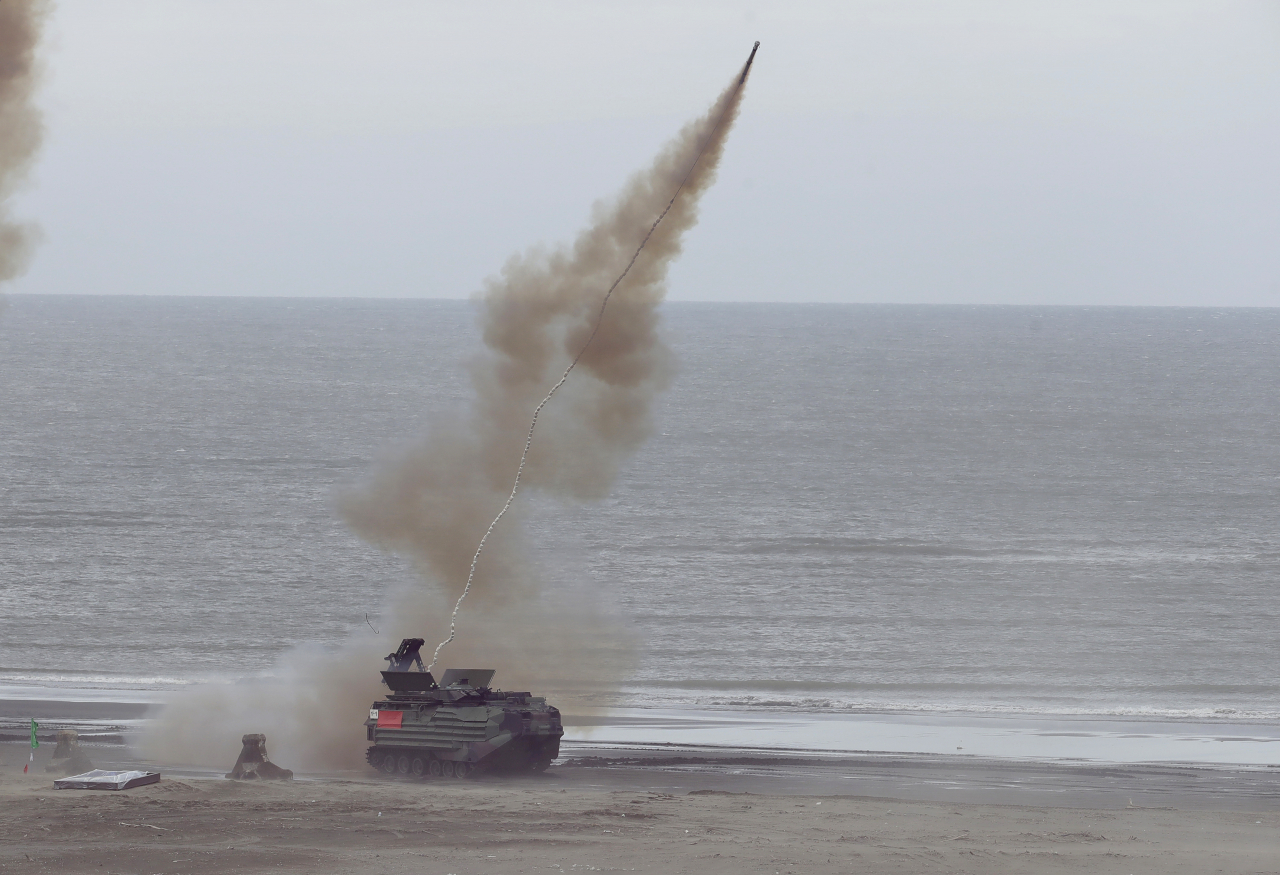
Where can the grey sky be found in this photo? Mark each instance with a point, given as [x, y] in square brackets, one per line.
[964, 152]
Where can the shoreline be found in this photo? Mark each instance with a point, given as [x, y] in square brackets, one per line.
[113, 716]
[1049, 761]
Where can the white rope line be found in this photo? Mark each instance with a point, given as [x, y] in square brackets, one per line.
[515, 487]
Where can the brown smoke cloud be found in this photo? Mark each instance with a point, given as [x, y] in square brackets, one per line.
[20, 127]
[432, 503]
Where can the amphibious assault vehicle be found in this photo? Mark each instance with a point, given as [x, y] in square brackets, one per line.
[457, 727]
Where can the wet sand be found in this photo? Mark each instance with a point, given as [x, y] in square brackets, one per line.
[667, 815]
[926, 778]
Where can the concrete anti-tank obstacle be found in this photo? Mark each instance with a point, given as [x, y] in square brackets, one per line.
[68, 757]
[253, 763]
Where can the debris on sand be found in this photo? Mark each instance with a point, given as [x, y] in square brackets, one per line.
[101, 780]
[253, 763]
[68, 757]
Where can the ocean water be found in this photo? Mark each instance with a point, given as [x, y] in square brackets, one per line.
[842, 508]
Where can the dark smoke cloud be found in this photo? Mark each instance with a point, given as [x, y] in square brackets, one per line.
[20, 128]
[433, 502]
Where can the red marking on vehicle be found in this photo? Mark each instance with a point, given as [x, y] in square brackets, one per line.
[390, 719]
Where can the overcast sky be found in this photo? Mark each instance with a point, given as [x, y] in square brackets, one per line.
[958, 151]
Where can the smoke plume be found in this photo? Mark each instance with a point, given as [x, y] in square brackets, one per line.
[433, 502]
[20, 128]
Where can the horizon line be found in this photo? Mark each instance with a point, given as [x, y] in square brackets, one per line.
[677, 301]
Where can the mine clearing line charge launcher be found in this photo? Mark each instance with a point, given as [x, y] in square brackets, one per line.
[457, 727]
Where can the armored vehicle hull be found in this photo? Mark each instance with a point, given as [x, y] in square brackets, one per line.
[458, 727]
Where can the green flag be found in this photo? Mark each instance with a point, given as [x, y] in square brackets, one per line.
[34, 727]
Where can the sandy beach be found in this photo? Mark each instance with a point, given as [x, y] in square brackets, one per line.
[585, 816]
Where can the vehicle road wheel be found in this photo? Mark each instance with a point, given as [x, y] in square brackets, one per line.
[417, 767]
[402, 764]
[447, 766]
[460, 770]
[434, 768]
[389, 763]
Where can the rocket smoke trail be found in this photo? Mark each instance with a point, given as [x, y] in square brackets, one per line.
[549, 308]
[590, 307]
[604, 303]
[20, 127]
